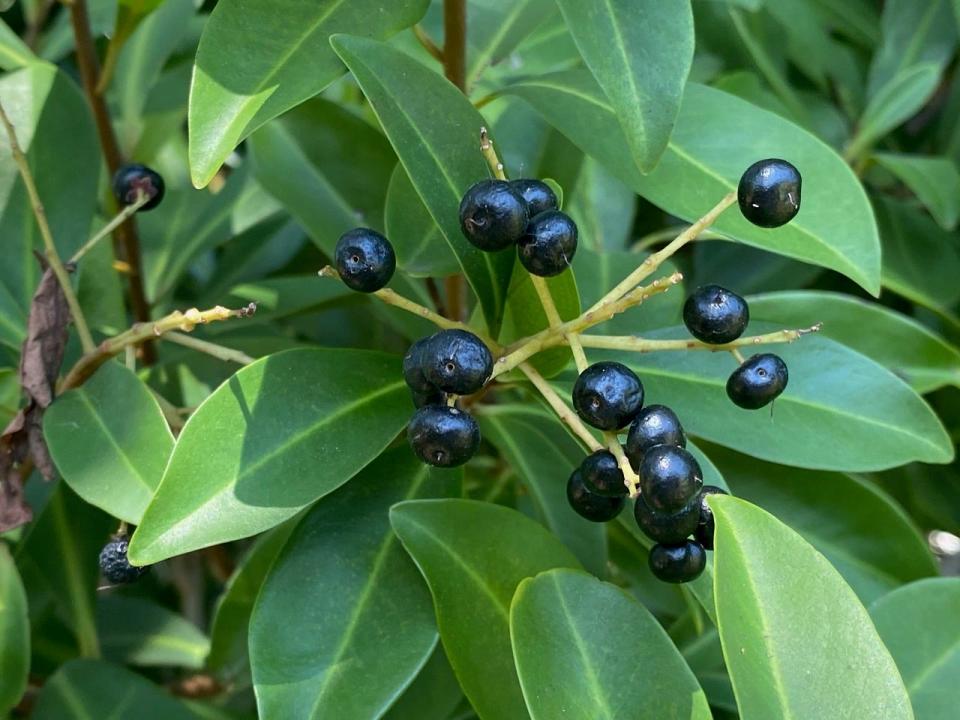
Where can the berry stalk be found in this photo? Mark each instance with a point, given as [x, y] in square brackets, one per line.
[643, 345]
[560, 408]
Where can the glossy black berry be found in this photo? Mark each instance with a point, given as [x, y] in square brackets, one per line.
[549, 244]
[131, 180]
[769, 193]
[670, 477]
[758, 381]
[456, 361]
[365, 260]
[678, 563]
[597, 508]
[715, 315]
[654, 425]
[602, 474]
[493, 215]
[608, 395]
[115, 566]
[443, 436]
[413, 364]
[667, 527]
[706, 524]
[537, 194]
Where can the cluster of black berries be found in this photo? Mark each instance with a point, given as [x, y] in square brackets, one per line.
[115, 566]
[131, 180]
[495, 214]
[437, 370]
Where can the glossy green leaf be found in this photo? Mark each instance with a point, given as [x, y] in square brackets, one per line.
[544, 455]
[920, 625]
[420, 246]
[14, 53]
[603, 208]
[790, 626]
[934, 180]
[279, 434]
[473, 556]
[840, 411]
[585, 648]
[138, 632]
[908, 349]
[14, 634]
[9, 394]
[343, 606]
[859, 529]
[240, 81]
[435, 131]
[640, 52]
[279, 297]
[130, 13]
[85, 689]
[110, 441]
[495, 28]
[716, 137]
[433, 694]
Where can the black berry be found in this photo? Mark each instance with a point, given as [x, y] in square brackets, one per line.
[493, 215]
[365, 260]
[670, 477]
[456, 361]
[654, 425]
[758, 381]
[706, 524]
[715, 315]
[537, 194]
[115, 566]
[549, 244]
[443, 436]
[769, 193]
[678, 563]
[602, 474]
[413, 364]
[608, 395]
[597, 508]
[131, 180]
[667, 527]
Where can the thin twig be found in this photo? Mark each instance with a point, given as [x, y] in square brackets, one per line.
[208, 348]
[560, 408]
[455, 42]
[53, 257]
[142, 199]
[429, 45]
[630, 478]
[632, 343]
[490, 155]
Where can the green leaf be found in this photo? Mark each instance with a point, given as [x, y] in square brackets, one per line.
[138, 632]
[789, 626]
[14, 53]
[433, 694]
[640, 52]
[280, 297]
[585, 648]
[9, 394]
[279, 434]
[110, 441]
[14, 634]
[840, 411]
[717, 136]
[908, 349]
[920, 624]
[435, 131]
[85, 689]
[130, 13]
[240, 82]
[310, 648]
[473, 556]
[544, 455]
[934, 180]
[603, 208]
[496, 28]
[421, 248]
[859, 529]
[56, 132]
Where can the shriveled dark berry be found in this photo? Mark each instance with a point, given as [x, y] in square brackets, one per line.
[597, 508]
[132, 179]
[608, 395]
[493, 215]
[670, 477]
[715, 315]
[549, 244]
[602, 474]
[678, 563]
[115, 566]
[769, 193]
[365, 260]
[706, 524]
[443, 436]
[654, 425]
[667, 527]
[537, 194]
[456, 361]
[758, 381]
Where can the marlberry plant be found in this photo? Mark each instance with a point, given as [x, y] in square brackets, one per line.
[479, 359]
